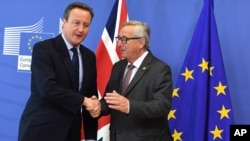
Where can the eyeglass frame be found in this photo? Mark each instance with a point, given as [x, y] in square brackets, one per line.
[124, 40]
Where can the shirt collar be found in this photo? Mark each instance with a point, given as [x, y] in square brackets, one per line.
[137, 63]
[69, 46]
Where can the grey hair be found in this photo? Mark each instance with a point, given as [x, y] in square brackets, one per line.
[141, 30]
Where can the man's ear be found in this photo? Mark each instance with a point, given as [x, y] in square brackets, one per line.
[142, 42]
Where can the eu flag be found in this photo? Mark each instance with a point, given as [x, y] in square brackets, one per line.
[201, 108]
[28, 39]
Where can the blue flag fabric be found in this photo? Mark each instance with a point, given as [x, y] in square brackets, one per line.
[28, 39]
[201, 108]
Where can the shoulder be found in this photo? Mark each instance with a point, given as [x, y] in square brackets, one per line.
[86, 50]
[121, 63]
[157, 63]
[47, 43]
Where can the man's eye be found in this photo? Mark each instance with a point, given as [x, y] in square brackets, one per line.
[86, 25]
[123, 39]
[77, 23]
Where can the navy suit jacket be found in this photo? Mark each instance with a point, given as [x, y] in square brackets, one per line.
[149, 94]
[54, 105]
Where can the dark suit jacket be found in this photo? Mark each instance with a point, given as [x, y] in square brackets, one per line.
[149, 94]
[54, 104]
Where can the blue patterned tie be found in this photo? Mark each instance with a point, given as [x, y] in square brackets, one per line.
[75, 61]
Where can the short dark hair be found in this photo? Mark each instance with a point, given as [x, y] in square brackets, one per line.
[77, 5]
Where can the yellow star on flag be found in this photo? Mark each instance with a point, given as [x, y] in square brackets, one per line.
[220, 89]
[224, 112]
[210, 71]
[177, 135]
[203, 65]
[171, 114]
[217, 133]
[175, 92]
[188, 74]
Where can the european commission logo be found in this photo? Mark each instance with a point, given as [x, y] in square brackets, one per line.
[19, 41]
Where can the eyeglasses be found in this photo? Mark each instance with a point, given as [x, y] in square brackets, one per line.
[124, 40]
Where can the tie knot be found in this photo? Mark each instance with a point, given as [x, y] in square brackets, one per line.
[131, 66]
[74, 50]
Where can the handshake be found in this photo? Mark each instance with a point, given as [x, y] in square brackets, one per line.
[93, 105]
[114, 100]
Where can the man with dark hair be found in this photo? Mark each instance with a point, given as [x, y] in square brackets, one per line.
[61, 89]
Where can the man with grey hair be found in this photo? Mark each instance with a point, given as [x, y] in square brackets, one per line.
[139, 92]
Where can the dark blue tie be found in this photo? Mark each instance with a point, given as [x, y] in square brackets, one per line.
[75, 61]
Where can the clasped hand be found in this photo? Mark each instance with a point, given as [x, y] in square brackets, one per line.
[93, 105]
[114, 100]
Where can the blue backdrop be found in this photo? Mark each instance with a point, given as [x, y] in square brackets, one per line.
[172, 24]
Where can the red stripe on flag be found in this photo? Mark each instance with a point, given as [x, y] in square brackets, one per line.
[104, 65]
[104, 120]
[124, 13]
[123, 18]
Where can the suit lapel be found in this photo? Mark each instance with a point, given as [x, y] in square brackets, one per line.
[85, 65]
[64, 55]
[140, 73]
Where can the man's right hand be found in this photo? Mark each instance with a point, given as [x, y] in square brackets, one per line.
[93, 105]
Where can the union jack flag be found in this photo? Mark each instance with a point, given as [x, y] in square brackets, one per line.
[107, 54]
